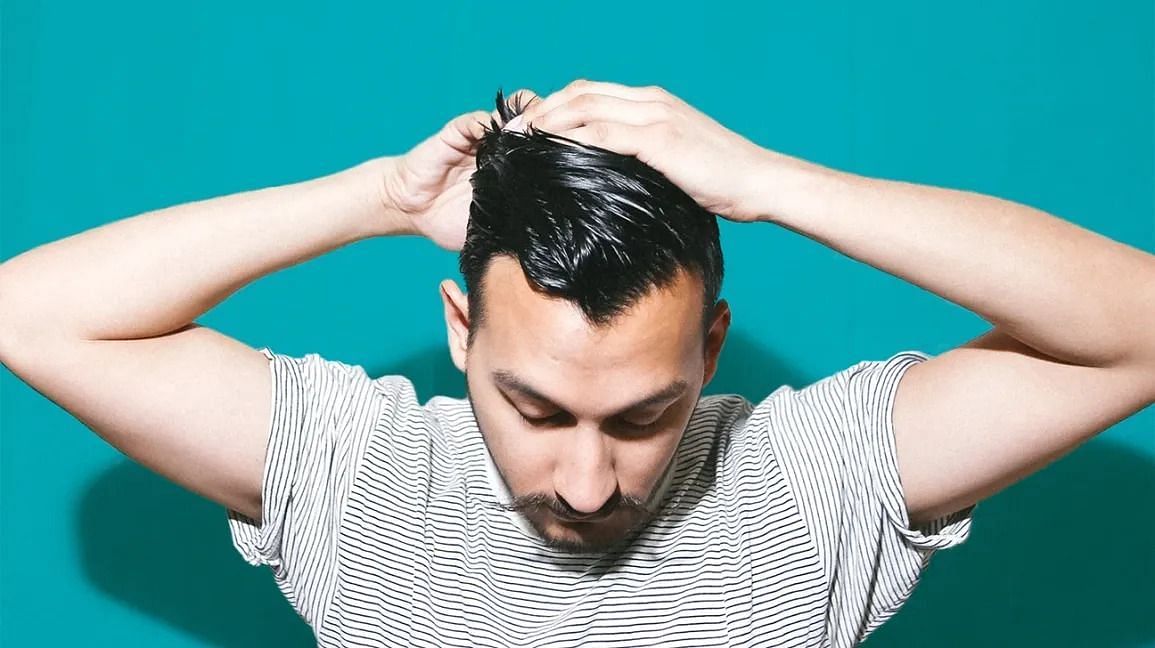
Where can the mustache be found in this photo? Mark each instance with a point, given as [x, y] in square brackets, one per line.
[540, 501]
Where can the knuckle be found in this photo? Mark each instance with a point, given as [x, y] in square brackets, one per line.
[584, 101]
[664, 111]
[657, 91]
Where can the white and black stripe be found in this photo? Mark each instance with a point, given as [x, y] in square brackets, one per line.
[783, 523]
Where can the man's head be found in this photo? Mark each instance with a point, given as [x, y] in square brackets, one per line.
[591, 324]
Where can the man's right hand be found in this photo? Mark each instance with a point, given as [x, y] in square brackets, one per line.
[428, 188]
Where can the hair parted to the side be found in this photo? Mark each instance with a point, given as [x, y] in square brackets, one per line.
[592, 226]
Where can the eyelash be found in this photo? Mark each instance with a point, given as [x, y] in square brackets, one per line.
[538, 422]
[634, 427]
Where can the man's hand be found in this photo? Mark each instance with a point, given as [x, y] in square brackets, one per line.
[427, 190]
[721, 170]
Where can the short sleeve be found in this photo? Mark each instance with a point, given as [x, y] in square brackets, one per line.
[897, 553]
[323, 412]
[834, 440]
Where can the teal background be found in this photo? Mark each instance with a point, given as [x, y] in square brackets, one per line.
[111, 109]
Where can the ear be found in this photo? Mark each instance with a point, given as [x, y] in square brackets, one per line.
[716, 337]
[456, 321]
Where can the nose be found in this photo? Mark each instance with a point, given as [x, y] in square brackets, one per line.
[603, 511]
[585, 483]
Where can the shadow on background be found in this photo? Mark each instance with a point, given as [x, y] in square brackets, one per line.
[166, 552]
[1064, 558]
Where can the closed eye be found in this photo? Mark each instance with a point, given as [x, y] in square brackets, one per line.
[554, 419]
[563, 418]
[639, 427]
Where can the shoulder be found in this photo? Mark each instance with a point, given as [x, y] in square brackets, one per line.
[721, 409]
[822, 404]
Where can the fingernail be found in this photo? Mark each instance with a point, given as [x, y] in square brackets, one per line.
[514, 124]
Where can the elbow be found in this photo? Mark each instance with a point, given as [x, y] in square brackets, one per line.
[17, 327]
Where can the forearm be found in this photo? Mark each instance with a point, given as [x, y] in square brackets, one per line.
[1068, 292]
[154, 273]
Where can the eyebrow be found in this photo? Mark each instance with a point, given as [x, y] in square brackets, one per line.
[509, 380]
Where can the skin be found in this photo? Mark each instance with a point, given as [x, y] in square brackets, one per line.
[535, 356]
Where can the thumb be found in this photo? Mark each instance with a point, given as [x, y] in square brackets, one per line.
[464, 131]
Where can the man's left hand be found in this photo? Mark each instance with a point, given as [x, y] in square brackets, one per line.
[722, 171]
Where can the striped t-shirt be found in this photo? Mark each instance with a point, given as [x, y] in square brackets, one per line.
[782, 523]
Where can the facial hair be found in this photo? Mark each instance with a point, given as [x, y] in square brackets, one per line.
[533, 505]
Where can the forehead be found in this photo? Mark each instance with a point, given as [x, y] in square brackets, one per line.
[525, 327]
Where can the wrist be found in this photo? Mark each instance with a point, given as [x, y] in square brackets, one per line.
[790, 189]
[383, 216]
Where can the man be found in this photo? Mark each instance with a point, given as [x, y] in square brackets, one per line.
[584, 493]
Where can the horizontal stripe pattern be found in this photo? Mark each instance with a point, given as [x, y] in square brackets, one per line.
[783, 524]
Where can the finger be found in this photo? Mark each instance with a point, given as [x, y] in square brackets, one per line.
[583, 86]
[464, 131]
[523, 97]
[614, 136]
[587, 108]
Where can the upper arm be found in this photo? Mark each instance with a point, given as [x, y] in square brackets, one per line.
[192, 405]
[973, 420]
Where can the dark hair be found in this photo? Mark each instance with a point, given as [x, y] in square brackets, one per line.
[586, 224]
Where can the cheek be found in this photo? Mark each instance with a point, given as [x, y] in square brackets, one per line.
[524, 458]
[640, 465]
[642, 462]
